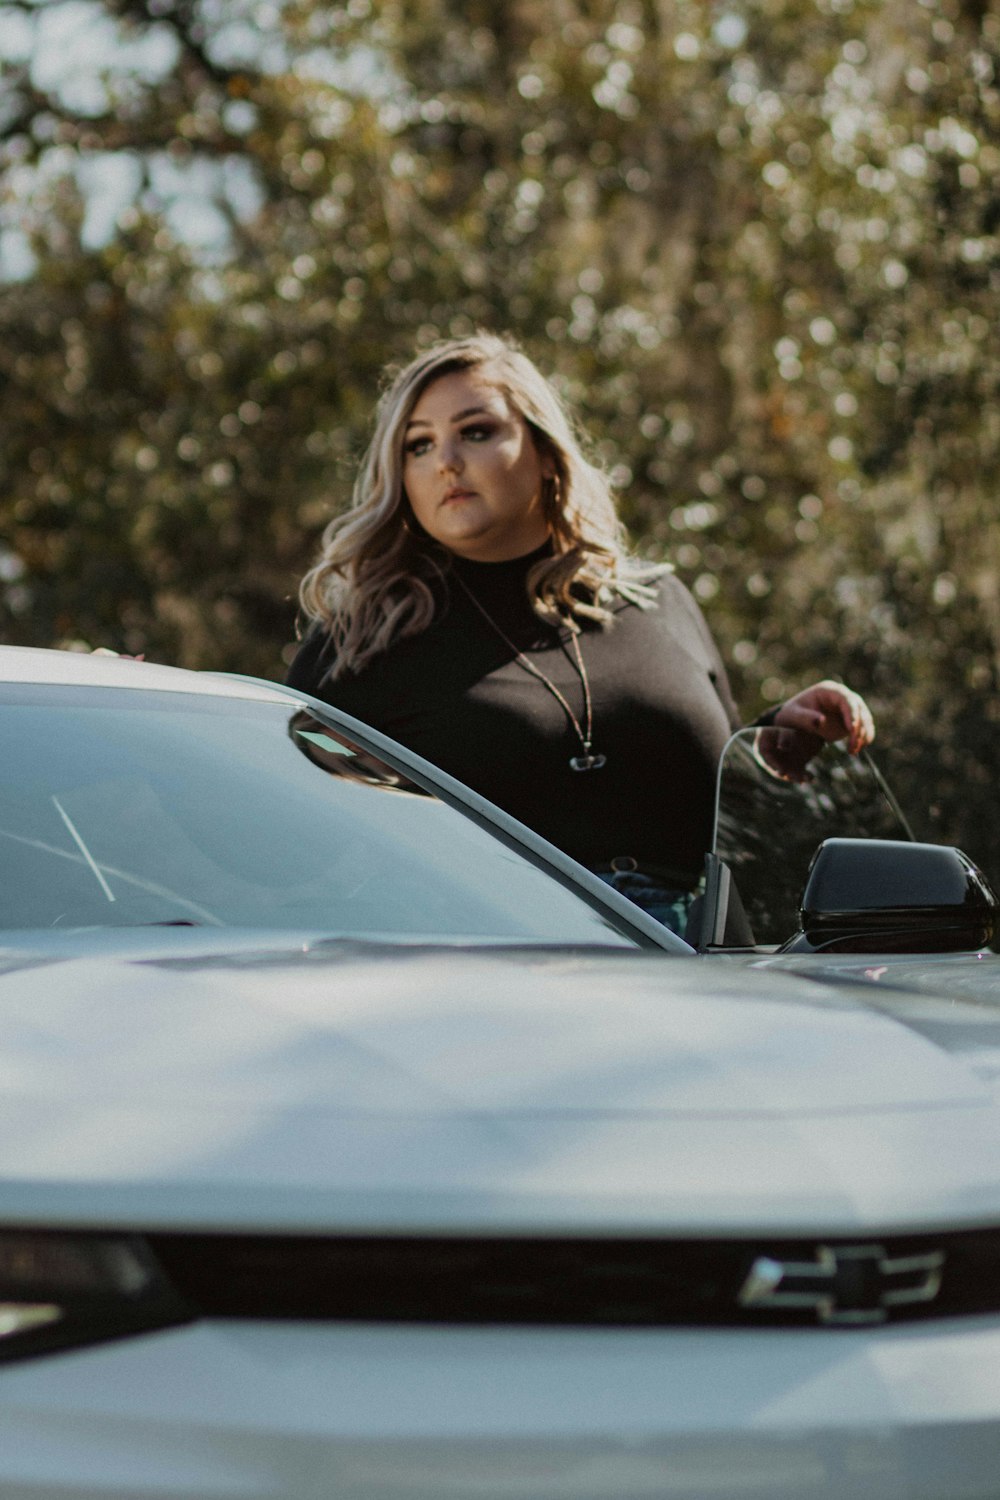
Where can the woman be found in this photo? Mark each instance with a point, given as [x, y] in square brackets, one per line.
[478, 604]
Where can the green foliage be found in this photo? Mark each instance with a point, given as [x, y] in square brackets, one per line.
[756, 243]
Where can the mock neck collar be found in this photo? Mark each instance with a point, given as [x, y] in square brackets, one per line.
[500, 588]
[509, 568]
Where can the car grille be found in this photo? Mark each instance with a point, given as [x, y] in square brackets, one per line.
[585, 1282]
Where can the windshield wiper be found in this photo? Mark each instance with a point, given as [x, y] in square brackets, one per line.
[78, 840]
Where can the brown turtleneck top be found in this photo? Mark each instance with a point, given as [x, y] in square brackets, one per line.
[662, 711]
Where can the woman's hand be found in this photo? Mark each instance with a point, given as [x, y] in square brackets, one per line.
[826, 711]
[830, 711]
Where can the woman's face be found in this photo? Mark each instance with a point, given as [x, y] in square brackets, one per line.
[472, 472]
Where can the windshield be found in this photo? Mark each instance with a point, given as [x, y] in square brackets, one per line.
[768, 828]
[126, 807]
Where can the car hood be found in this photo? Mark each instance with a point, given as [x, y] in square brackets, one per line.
[362, 1088]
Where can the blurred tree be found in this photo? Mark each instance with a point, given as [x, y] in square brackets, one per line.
[756, 242]
[177, 392]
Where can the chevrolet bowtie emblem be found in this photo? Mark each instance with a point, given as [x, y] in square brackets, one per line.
[844, 1284]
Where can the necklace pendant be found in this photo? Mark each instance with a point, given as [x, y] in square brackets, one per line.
[587, 762]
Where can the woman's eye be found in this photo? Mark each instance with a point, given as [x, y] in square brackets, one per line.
[416, 446]
[477, 433]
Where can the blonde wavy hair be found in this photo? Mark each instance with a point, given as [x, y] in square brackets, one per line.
[373, 583]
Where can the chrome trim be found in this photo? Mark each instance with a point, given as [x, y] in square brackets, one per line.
[773, 1283]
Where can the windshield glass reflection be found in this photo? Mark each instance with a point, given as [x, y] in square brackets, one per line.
[131, 808]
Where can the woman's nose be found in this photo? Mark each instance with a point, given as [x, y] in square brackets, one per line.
[450, 459]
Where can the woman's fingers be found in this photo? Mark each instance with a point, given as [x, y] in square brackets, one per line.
[832, 711]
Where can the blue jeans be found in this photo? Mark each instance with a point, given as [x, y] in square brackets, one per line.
[668, 906]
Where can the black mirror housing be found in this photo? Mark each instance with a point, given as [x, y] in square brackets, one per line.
[883, 896]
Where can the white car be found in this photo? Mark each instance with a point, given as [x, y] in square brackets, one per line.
[355, 1144]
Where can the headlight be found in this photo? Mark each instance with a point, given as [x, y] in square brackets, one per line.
[58, 1290]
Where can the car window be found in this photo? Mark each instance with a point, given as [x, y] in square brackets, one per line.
[768, 829]
[122, 808]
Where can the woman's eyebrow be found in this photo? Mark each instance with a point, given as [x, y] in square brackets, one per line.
[460, 416]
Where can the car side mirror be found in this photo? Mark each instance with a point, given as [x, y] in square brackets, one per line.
[883, 896]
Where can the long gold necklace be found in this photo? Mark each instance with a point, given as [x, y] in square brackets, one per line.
[588, 761]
